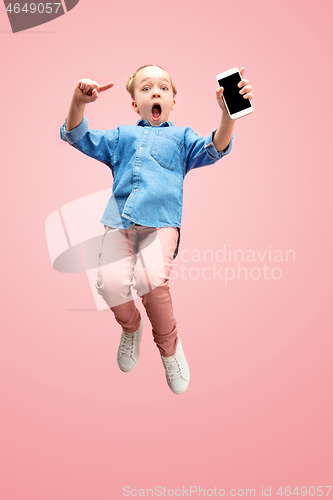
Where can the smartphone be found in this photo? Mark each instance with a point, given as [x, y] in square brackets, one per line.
[235, 103]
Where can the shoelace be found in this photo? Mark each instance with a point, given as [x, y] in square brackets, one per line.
[173, 367]
[128, 344]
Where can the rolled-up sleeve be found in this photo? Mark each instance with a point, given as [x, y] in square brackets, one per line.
[94, 143]
[211, 149]
[201, 151]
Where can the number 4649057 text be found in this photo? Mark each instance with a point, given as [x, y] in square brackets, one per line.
[31, 8]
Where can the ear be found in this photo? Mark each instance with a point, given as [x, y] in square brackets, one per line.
[135, 107]
[173, 104]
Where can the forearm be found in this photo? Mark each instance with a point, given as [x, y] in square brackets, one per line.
[224, 132]
[75, 114]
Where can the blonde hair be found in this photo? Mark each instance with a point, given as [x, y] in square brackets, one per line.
[130, 87]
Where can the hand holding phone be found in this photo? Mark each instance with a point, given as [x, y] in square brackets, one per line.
[235, 103]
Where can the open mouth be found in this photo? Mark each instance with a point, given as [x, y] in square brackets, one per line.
[156, 112]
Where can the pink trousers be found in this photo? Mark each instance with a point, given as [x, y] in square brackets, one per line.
[140, 257]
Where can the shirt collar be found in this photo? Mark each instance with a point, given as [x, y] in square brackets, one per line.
[144, 123]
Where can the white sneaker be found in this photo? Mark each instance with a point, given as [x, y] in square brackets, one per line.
[129, 349]
[176, 370]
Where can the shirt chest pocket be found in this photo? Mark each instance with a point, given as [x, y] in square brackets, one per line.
[166, 150]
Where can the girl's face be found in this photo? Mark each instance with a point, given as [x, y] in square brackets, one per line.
[153, 95]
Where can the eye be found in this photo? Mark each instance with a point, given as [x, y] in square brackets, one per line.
[164, 87]
[145, 88]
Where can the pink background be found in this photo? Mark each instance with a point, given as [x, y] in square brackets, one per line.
[258, 411]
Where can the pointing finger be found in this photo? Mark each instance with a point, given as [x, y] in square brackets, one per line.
[107, 86]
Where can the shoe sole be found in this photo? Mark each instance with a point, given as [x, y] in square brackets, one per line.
[181, 392]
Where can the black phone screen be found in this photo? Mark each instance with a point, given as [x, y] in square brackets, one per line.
[235, 101]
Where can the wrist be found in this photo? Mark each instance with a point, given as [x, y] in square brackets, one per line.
[79, 105]
[226, 118]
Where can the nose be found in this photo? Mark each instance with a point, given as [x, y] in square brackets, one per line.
[156, 93]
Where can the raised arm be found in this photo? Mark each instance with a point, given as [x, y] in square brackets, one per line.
[85, 91]
[224, 131]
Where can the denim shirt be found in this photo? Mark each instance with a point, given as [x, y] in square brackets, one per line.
[148, 165]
